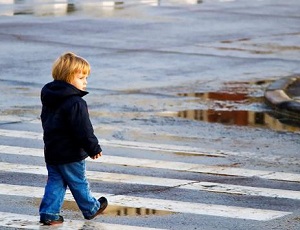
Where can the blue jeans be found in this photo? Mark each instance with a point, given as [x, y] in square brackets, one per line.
[59, 177]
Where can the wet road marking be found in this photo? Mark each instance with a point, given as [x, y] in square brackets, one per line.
[165, 182]
[169, 165]
[159, 204]
[21, 221]
[126, 144]
[147, 146]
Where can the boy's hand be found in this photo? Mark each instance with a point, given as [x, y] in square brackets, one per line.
[97, 156]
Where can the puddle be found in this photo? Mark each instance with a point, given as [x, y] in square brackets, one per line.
[224, 96]
[239, 118]
[114, 210]
[65, 7]
[235, 105]
[129, 211]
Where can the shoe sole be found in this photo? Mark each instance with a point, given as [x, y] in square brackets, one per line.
[49, 223]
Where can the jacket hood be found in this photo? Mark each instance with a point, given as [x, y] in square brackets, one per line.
[55, 92]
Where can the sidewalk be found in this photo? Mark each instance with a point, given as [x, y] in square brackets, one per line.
[284, 96]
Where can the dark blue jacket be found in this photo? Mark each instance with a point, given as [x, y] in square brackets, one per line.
[68, 132]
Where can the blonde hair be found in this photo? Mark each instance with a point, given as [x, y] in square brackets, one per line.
[67, 65]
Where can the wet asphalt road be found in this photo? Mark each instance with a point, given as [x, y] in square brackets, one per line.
[159, 74]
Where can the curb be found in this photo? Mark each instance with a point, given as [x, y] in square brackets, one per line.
[277, 96]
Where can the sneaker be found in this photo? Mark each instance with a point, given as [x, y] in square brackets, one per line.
[103, 205]
[60, 220]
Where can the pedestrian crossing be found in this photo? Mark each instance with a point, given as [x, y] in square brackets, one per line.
[19, 220]
[160, 181]
[160, 204]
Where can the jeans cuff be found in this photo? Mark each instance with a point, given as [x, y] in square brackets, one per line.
[92, 212]
[48, 216]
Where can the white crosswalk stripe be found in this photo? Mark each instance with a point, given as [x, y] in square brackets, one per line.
[118, 143]
[20, 221]
[175, 206]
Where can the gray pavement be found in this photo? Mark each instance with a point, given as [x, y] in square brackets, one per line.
[152, 60]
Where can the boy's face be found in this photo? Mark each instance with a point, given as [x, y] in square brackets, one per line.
[80, 81]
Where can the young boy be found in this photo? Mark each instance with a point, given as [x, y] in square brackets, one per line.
[69, 139]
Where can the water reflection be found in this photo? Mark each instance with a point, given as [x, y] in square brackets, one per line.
[67, 7]
[224, 96]
[239, 118]
[114, 210]
[129, 211]
[226, 115]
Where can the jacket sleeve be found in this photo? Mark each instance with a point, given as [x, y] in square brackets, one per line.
[82, 129]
